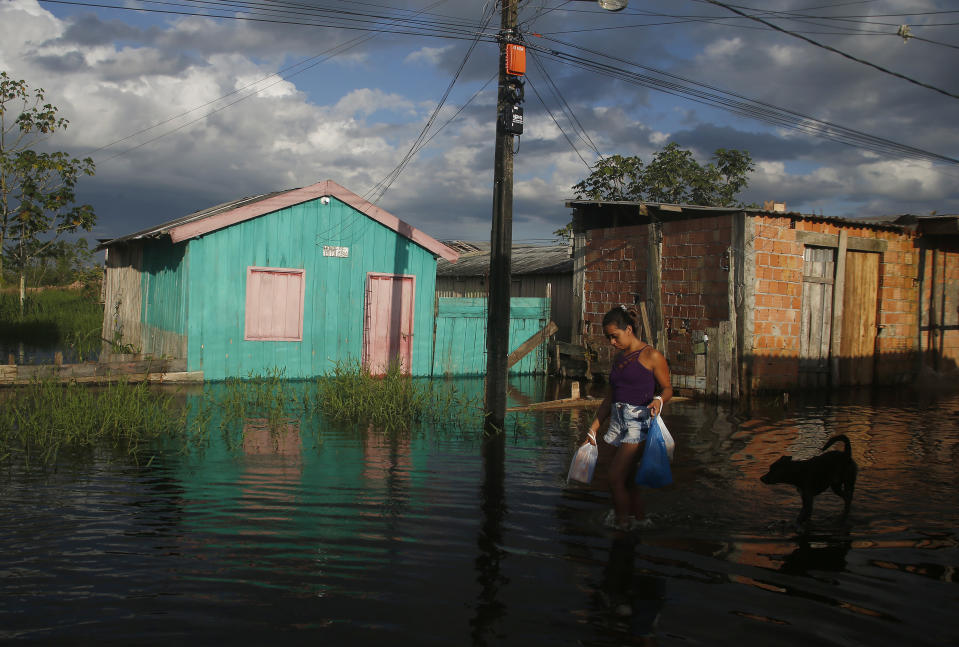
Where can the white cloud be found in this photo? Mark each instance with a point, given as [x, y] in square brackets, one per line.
[723, 48]
[353, 116]
[659, 138]
[428, 55]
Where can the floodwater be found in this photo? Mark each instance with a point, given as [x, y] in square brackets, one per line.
[334, 535]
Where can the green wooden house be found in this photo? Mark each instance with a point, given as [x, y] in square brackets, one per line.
[294, 281]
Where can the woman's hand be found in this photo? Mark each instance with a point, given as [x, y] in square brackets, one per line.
[590, 438]
[656, 406]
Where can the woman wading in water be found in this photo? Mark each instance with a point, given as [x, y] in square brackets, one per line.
[636, 373]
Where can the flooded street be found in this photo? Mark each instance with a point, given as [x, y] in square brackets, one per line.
[327, 533]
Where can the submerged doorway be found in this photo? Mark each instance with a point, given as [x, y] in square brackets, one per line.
[388, 322]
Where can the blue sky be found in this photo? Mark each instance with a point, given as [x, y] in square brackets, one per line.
[352, 115]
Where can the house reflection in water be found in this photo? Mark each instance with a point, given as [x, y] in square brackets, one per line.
[272, 472]
[387, 464]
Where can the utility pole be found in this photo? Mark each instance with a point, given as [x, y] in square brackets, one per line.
[509, 122]
[501, 236]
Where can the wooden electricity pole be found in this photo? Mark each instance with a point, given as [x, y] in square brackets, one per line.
[501, 240]
[509, 121]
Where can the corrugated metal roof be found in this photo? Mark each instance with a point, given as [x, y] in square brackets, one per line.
[677, 211]
[524, 259]
[164, 228]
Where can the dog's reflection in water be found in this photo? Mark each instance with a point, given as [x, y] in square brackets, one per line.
[630, 602]
[817, 555]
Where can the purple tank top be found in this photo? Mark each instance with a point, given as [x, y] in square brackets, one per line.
[632, 382]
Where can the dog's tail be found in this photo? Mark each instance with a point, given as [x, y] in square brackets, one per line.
[836, 439]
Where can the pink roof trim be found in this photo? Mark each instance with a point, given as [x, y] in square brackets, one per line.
[298, 196]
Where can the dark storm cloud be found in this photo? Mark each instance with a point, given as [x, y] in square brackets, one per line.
[88, 30]
[66, 63]
[706, 138]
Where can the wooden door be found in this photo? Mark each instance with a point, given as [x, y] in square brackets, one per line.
[819, 268]
[388, 322]
[857, 342]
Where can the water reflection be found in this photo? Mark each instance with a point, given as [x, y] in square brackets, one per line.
[630, 602]
[297, 529]
[489, 607]
[824, 555]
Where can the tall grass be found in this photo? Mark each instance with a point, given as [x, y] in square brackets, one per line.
[230, 404]
[54, 317]
[42, 420]
[392, 402]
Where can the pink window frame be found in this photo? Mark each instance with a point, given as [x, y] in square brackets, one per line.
[253, 306]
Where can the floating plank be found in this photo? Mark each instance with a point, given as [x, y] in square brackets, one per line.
[574, 403]
[565, 403]
[168, 373]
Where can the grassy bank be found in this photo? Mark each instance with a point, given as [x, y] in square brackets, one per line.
[56, 317]
[41, 421]
[44, 421]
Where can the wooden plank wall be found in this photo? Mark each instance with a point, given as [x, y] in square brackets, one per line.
[559, 287]
[334, 297]
[122, 298]
[858, 334]
[460, 346]
[164, 289]
[819, 267]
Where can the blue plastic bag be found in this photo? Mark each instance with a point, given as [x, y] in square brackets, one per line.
[654, 468]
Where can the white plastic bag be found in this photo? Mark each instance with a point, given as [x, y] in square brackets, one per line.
[584, 462]
[667, 438]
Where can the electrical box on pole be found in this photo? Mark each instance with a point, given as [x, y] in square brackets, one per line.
[512, 119]
[515, 59]
[512, 112]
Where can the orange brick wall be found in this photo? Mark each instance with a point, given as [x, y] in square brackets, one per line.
[695, 284]
[778, 262]
[615, 269]
[695, 293]
[778, 300]
[898, 308]
[694, 287]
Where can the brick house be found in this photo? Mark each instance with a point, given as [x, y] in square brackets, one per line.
[745, 300]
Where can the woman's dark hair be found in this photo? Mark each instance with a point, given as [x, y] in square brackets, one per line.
[620, 317]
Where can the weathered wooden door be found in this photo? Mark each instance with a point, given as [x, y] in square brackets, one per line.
[819, 268]
[388, 322]
[858, 335]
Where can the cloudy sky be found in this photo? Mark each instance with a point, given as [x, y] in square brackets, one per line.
[182, 110]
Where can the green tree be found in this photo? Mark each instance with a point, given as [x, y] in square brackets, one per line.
[61, 263]
[37, 188]
[672, 176]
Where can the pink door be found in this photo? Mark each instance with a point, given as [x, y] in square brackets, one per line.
[388, 322]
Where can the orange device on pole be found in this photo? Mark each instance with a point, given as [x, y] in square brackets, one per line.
[515, 59]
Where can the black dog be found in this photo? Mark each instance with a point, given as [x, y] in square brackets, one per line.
[836, 470]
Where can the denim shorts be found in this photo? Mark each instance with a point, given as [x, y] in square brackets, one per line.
[628, 423]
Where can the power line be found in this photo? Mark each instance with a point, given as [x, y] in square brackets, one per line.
[708, 95]
[333, 51]
[688, 89]
[550, 113]
[448, 31]
[564, 105]
[833, 49]
[380, 188]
